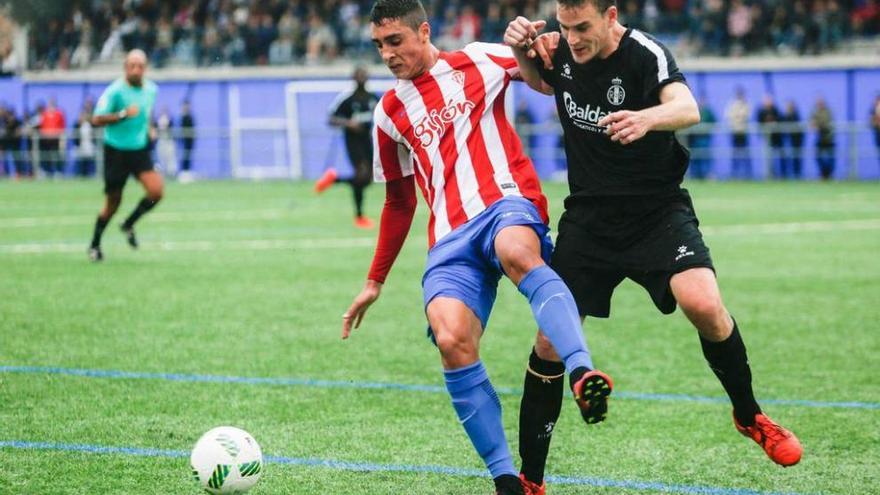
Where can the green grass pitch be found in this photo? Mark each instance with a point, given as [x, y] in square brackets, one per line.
[245, 279]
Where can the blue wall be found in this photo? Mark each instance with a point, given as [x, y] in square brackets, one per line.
[849, 94]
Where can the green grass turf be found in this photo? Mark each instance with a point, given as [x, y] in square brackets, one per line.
[807, 303]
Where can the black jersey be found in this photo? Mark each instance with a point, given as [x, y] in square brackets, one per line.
[629, 79]
[358, 106]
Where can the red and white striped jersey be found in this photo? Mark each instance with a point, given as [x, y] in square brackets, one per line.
[449, 127]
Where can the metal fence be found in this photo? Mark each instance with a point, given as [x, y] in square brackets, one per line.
[30, 154]
[768, 151]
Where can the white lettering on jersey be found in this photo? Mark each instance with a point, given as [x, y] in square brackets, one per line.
[586, 118]
[433, 125]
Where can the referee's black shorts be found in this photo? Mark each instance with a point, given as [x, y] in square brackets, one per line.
[119, 164]
[360, 154]
[602, 241]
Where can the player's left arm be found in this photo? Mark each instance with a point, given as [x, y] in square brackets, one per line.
[677, 110]
[152, 131]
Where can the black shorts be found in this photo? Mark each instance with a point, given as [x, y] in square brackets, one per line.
[359, 150]
[601, 241]
[119, 164]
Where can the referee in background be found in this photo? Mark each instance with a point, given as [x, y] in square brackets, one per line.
[125, 109]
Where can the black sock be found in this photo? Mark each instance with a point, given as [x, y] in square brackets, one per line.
[538, 413]
[730, 364]
[144, 206]
[508, 484]
[100, 225]
[358, 191]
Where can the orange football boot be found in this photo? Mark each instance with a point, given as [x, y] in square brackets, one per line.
[532, 488]
[591, 394]
[326, 180]
[780, 444]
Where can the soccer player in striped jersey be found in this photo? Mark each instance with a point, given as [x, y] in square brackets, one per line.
[620, 97]
[443, 130]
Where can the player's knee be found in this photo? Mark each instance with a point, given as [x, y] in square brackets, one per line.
[113, 202]
[519, 260]
[155, 195]
[544, 349]
[457, 348]
[702, 308]
[108, 212]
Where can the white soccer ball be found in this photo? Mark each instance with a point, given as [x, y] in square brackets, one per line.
[227, 461]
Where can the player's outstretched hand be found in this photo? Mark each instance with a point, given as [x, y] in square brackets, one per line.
[625, 126]
[545, 47]
[355, 313]
[132, 111]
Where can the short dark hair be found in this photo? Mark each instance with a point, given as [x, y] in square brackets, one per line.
[410, 12]
[601, 5]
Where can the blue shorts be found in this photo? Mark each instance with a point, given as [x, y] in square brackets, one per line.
[463, 265]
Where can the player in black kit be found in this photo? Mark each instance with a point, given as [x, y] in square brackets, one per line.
[353, 111]
[620, 97]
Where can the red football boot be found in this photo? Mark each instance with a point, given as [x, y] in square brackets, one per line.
[326, 180]
[780, 444]
[532, 488]
[363, 223]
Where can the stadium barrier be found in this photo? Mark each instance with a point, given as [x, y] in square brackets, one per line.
[269, 157]
[272, 123]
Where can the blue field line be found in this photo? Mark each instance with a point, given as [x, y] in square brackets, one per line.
[654, 486]
[308, 382]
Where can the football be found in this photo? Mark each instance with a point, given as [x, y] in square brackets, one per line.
[227, 460]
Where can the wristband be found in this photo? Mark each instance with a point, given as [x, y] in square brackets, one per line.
[122, 114]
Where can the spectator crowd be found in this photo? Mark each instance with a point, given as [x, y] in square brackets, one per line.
[43, 142]
[276, 32]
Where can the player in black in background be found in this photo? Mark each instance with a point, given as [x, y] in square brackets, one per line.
[188, 140]
[620, 97]
[353, 111]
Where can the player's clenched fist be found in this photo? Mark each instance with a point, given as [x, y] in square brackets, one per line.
[521, 32]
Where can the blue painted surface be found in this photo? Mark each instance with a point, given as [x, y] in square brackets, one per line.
[404, 387]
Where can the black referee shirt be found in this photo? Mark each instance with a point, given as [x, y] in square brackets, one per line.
[629, 79]
[356, 105]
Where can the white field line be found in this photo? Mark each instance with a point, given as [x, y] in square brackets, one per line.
[205, 216]
[793, 227]
[243, 245]
[361, 242]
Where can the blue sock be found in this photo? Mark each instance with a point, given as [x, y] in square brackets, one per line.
[479, 411]
[557, 316]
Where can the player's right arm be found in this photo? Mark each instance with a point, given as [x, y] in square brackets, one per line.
[108, 111]
[393, 165]
[397, 217]
[522, 36]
